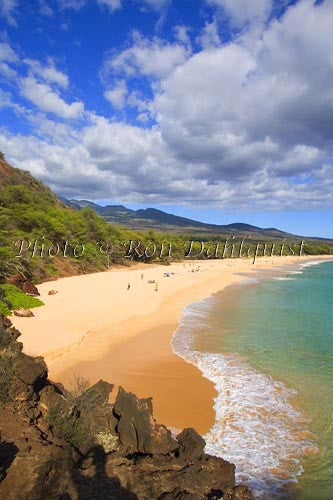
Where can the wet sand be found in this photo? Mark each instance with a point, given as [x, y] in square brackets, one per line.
[96, 328]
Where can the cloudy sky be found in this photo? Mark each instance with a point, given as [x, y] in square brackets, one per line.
[221, 110]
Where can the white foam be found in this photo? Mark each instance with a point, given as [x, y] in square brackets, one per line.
[281, 278]
[296, 272]
[256, 427]
[248, 281]
[315, 262]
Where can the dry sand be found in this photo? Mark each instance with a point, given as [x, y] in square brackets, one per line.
[96, 328]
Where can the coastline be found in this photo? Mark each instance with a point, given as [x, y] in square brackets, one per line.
[96, 328]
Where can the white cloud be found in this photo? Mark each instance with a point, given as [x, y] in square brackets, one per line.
[7, 53]
[181, 34]
[245, 11]
[6, 101]
[7, 71]
[8, 10]
[143, 117]
[111, 5]
[48, 73]
[46, 99]
[151, 58]
[243, 124]
[7, 57]
[117, 95]
[209, 36]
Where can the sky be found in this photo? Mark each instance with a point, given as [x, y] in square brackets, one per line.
[218, 110]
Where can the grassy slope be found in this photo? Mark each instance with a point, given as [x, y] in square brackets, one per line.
[30, 210]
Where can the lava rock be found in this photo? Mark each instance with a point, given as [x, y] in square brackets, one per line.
[138, 431]
[191, 444]
[23, 313]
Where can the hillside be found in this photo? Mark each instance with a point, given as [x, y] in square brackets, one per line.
[32, 213]
[42, 236]
[151, 218]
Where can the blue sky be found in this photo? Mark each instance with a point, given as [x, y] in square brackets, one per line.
[219, 110]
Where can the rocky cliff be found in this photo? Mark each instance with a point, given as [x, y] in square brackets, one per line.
[56, 444]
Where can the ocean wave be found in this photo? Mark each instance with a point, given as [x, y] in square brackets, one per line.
[256, 427]
[248, 281]
[315, 262]
[282, 278]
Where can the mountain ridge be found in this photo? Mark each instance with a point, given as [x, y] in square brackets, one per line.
[152, 218]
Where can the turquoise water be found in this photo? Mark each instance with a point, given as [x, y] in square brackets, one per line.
[268, 347]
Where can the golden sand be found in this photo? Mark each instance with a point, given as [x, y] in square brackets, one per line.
[96, 327]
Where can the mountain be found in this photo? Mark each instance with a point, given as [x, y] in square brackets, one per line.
[151, 218]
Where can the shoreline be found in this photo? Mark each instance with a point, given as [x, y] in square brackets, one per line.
[96, 328]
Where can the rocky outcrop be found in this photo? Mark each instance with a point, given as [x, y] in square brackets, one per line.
[138, 432]
[23, 283]
[23, 313]
[57, 444]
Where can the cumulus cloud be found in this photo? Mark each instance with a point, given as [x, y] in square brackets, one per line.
[238, 125]
[117, 95]
[182, 34]
[151, 58]
[7, 53]
[7, 58]
[47, 73]
[46, 99]
[209, 36]
[245, 11]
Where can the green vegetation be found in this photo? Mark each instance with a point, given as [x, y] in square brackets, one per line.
[32, 214]
[74, 418]
[65, 427]
[41, 237]
[14, 298]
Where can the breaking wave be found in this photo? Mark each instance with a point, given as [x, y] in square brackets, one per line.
[256, 426]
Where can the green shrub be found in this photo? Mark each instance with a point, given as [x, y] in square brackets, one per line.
[65, 427]
[4, 309]
[18, 299]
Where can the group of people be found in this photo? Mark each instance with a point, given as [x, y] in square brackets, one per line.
[150, 281]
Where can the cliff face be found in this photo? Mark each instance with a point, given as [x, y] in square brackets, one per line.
[60, 445]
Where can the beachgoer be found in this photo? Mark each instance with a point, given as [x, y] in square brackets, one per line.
[128, 286]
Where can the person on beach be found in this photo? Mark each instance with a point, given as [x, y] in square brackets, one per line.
[156, 287]
[128, 286]
[142, 276]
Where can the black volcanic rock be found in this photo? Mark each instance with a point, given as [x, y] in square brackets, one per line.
[138, 431]
[190, 444]
[59, 445]
[31, 371]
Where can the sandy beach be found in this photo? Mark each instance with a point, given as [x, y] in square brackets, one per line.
[95, 327]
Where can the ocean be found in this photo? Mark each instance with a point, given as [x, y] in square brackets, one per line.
[267, 345]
